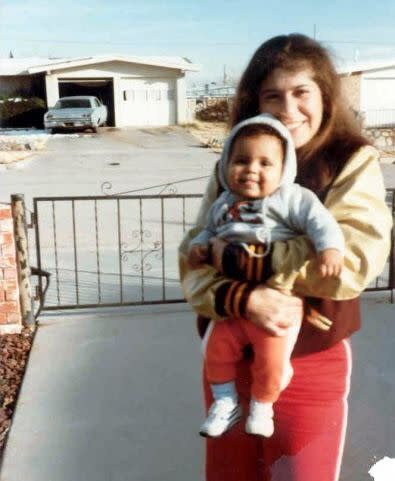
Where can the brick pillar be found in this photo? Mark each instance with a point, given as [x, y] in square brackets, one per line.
[10, 311]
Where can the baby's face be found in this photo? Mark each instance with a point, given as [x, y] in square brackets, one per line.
[255, 166]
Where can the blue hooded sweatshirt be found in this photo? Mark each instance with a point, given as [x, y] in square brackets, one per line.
[289, 211]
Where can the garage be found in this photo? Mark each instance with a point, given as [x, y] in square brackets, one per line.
[138, 91]
[103, 89]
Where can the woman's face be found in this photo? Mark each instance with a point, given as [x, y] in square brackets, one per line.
[296, 100]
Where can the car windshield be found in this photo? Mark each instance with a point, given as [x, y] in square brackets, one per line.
[73, 104]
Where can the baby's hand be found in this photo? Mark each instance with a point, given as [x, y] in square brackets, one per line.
[330, 263]
[198, 255]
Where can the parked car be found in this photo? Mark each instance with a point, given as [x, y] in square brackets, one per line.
[82, 112]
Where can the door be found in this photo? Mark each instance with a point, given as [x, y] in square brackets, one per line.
[147, 102]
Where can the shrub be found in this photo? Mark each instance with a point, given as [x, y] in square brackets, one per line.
[19, 112]
[215, 111]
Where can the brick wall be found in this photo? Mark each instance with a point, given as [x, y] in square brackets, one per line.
[10, 312]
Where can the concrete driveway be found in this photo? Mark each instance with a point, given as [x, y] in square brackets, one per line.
[128, 159]
[116, 161]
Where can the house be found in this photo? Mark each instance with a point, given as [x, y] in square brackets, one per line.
[369, 87]
[138, 91]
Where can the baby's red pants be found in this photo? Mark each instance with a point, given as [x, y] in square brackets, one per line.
[310, 419]
[271, 369]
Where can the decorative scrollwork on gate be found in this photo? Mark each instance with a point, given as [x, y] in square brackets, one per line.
[147, 251]
[106, 188]
[168, 189]
[164, 189]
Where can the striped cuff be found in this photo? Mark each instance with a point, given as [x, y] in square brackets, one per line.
[237, 264]
[231, 298]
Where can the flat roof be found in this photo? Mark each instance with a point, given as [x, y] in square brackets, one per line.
[365, 65]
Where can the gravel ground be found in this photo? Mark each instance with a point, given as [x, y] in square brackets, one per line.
[14, 352]
[211, 134]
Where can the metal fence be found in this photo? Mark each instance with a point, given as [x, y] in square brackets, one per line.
[386, 280]
[111, 251]
[122, 250]
[210, 91]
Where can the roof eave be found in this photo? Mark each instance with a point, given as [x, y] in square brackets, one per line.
[360, 70]
[93, 60]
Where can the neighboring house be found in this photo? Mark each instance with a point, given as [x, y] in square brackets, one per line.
[137, 90]
[369, 87]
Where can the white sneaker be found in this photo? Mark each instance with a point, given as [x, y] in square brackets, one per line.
[222, 415]
[260, 420]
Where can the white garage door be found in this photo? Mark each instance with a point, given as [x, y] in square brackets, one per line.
[378, 101]
[147, 102]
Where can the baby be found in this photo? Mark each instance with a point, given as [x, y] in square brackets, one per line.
[260, 204]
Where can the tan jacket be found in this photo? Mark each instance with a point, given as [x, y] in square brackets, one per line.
[357, 201]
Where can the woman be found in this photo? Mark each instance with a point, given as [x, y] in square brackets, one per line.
[292, 78]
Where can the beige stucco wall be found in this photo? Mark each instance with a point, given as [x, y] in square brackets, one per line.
[116, 71]
[351, 90]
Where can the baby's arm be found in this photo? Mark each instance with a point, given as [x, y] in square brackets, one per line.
[312, 217]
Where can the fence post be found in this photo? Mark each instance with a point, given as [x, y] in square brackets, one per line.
[10, 313]
[22, 258]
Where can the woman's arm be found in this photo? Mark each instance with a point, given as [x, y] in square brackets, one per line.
[357, 201]
[200, 285]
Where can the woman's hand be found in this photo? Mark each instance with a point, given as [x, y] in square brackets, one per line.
[273, 310]
[268, 308]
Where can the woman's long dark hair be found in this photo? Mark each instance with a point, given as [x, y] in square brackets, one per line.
[339, 136]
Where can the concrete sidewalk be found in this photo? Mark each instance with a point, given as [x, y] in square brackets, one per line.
[114, 395]
[110, 395]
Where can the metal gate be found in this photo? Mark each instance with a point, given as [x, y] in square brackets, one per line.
[122, 250]
[111, 251]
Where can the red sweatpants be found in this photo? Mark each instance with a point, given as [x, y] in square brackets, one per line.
[271, 369]
[310, 419]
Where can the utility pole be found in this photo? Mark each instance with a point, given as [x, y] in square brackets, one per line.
[225, 79]
[315, 32]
